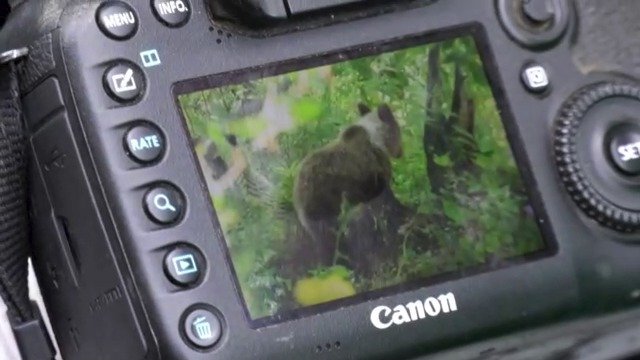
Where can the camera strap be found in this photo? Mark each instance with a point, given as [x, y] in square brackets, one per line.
[28, 326]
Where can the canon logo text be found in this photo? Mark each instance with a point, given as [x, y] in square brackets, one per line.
[383, 317]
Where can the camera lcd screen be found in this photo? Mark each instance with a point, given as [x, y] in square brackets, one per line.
[361, 173]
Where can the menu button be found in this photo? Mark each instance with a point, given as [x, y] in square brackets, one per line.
[117, 20]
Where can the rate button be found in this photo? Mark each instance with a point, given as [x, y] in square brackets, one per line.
[144, 143]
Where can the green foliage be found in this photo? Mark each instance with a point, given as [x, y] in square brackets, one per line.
[307, 110]
[481, 213]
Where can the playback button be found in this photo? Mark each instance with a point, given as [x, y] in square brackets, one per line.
[144, 143]
[124, 81]
[183, 265]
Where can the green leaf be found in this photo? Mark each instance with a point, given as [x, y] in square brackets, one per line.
[484, 161]
[443, 160]
[215, 133]
[340, 271]
[453, 211]
[247, 128]
[306, 110]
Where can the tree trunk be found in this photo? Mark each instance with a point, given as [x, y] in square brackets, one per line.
[434, 143]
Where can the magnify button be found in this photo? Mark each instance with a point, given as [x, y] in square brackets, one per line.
[164, 204]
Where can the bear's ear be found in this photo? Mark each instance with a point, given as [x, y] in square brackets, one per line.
[386, 115]
[231, 139]
[363, 109]
[392, 134]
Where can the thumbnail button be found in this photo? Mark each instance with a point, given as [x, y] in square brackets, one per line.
[624, 147]
[203, 328]
[164, 204]
[173, 13]
[117, 20]
[124, 82]
[183, 265]
[144, 143]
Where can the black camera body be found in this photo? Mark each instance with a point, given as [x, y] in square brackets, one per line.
[133, 262]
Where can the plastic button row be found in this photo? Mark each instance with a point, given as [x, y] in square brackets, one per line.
[119, 21]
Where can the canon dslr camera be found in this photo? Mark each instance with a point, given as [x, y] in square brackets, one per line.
[329, 179]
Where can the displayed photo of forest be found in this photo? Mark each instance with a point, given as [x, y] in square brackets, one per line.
[357, 176]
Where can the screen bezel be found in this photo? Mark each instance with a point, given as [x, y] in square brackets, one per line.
[479, 36]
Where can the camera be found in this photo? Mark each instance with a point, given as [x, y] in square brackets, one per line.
[334, 179]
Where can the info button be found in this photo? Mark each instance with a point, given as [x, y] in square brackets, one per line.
[173, 13]
[144, 143]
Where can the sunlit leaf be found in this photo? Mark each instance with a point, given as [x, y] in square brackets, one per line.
[443, 160]
[247, 128]
[306, 110]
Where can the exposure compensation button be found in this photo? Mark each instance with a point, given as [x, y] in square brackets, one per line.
[144, 143]
[173, 13]
[624, 147]
[117, 20]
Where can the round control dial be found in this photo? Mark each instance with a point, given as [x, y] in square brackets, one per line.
[534, 23]
[597, 150]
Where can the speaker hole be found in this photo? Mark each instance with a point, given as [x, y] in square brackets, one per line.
[327, 347]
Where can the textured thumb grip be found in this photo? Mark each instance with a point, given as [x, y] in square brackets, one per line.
[14, 248]
[608, 36]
